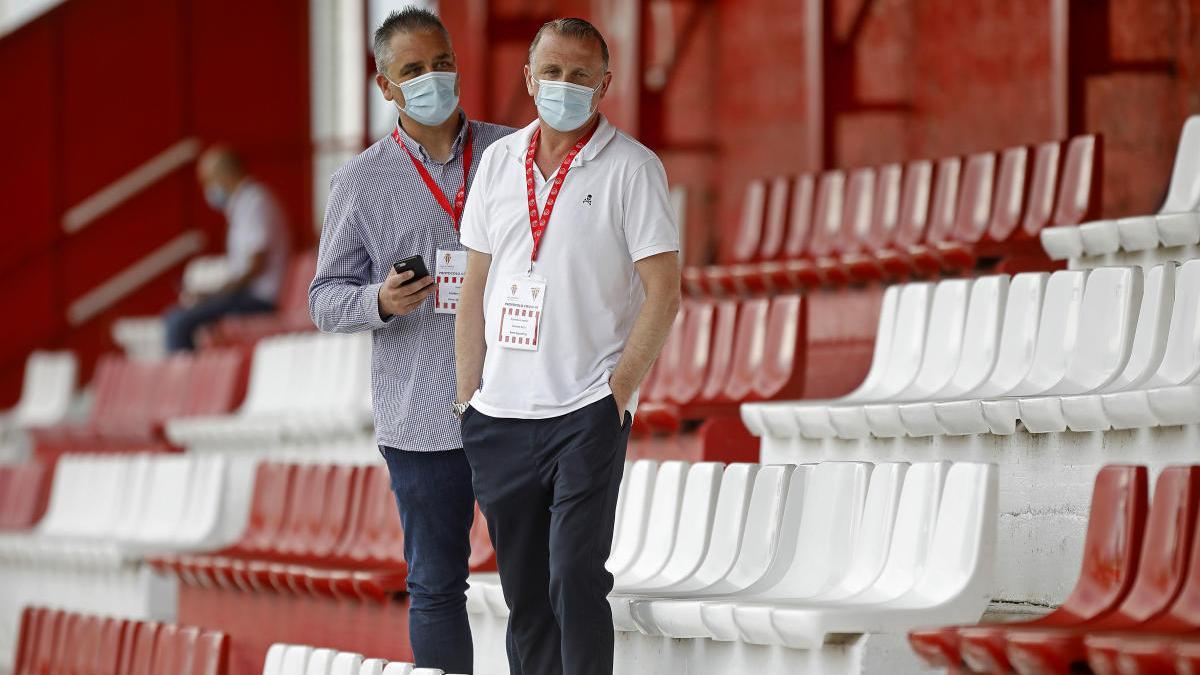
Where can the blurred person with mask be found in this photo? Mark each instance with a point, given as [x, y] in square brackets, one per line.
[257, 245]
[404, 196]
[572, 287]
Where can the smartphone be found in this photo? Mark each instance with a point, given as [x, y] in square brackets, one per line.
[414, 264]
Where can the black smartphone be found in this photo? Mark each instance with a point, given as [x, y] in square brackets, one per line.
[414, 264]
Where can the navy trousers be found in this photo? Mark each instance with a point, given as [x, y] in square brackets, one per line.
[182, 322]
[433, 493]
[549, 491]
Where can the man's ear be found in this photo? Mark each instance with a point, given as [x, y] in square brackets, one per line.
[528, 80]
[384, 86]
[604, 86]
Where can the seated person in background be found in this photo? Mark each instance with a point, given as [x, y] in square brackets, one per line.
[256, 245]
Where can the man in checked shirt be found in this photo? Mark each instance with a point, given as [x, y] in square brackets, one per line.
[403, 196]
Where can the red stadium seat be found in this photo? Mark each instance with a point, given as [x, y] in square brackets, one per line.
[211, 654]
[23, 494]
[1162, 569]
[748, 351]
[27, 634]
[108, 656]
[48, 643]
[483, 556]
[721, 360]
[167, 654]
[141, 658]
[775, 223]
[826, 238]
[781, 374]
[864, 265]
[1116, 523]
[1079, 191]
[913, 219]
[695, 353]
[773, 274]
[1039, 203]
[86, 646]
[741, 247]
[973, 232]
[291, 314]
[853, 230]
[957, 198]
[70, 637]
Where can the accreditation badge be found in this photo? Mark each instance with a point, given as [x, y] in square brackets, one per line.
[450, 268]
[522, 299]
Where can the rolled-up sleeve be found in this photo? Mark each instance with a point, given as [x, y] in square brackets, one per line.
[343, 297]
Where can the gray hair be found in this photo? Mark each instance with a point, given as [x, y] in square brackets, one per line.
[573, 28]
[408, 20]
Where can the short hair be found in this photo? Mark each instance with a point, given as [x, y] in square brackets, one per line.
[407, 20]
[575, 28]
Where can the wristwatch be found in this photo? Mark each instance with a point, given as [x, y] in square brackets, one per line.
[459, 409]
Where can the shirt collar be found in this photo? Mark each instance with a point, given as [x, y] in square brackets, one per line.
[518, 143]
[238, 193]
[419, 151]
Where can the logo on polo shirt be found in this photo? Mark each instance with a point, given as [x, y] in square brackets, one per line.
[513, 289]
[534, 291]
[588, 200]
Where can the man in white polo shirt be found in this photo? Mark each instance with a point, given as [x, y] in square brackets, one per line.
[572, 286]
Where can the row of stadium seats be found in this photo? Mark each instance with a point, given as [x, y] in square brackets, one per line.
[1135, 603]
[317, 528]
[786, 555]
[1076, 349]
[132, 399]
[63, 643]
[108, 511]
[302, 387]
[896, 222]
[23, 491]
[1177, 222]
[303, 660]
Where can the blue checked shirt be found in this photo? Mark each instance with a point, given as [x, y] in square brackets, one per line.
[379, 212]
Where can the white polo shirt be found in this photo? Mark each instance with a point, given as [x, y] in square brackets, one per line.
[256, 223]
[613, 210]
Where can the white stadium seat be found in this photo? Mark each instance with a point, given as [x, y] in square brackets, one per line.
[320, 662]
[1177, 223]
[346, 663]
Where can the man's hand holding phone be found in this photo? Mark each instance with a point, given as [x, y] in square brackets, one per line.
[402, 293]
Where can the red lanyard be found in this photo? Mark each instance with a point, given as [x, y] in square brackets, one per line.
[460, 198]
[537, 226]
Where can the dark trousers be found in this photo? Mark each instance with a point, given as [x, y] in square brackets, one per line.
[433, 492]
[549, 491]
[182, 322]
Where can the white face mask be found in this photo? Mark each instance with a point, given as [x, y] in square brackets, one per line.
[216, 196]
[430, 98]
[564, 106]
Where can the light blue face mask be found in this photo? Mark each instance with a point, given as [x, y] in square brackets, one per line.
[430, 98]
[216, 196]
[564, 106]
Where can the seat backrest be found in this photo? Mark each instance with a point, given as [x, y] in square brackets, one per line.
[827, 214]
[397, 668]
[335, 515]
[1167, 544]
[669, 361]
[1181, 356]
[743, 243]
[273, 664]
[964, 536]
[1108, 316]
[975, 198]
[874, 535]
[86, 646]
[800, 215]
[308, 494]
[218, 380]
[31, 623]
[700, 494]
[1116, 525]
[914, 203]
[776, 220]
[68, 642]
[269, 508]
[781, 372]
[1079, 191]
[944, 340]
[662, 519]
[49, 640]
[212, 654]
[171, 477]
[1184, 191]
[945, 200]
[46, 389]
[885, 210]
[166, 651]
[145, 636]
[908, 340]
[379, 530]
[631, 530]
[301, 270]
[771, 519]
[319, 662]
[112, 637]
[729, 523]
[295, 658]
[1058, 333]
[106, 382]
[345, 663]
[372, 667]
[1012, 182]
[885, 333]
[695, 352]
[1150, 331]
[1043, 187]
[749, 350]
[1018, 334]
[829, 523]
[855, 233]
[721, 354]
[981, 335]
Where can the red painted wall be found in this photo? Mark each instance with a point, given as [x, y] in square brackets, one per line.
[94, 88]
